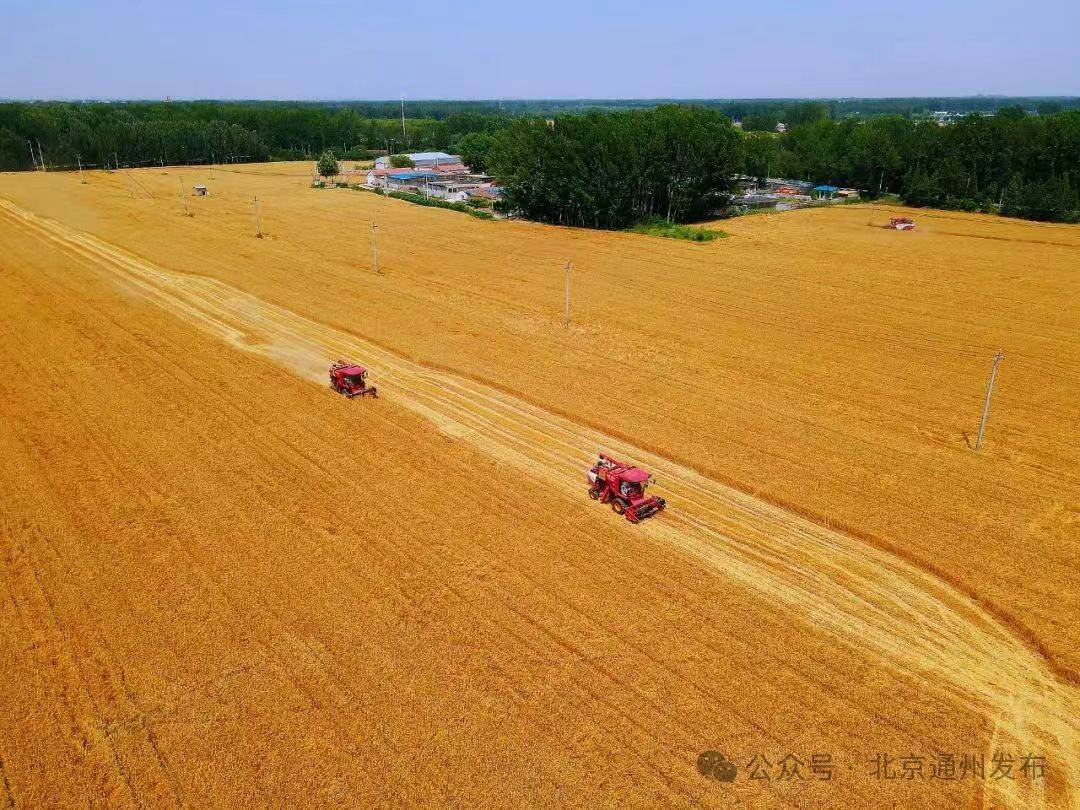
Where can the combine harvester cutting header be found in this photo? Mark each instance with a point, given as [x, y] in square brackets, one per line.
[623, 486]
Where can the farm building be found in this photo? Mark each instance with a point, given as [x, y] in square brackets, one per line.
[377, 177]
[488, 192]
[449, 190]
[780, 185]
[409, 179]
[421, 160]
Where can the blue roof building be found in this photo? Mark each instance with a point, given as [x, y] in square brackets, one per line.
[413, 176]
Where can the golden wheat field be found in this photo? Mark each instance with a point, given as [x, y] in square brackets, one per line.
[225, 584]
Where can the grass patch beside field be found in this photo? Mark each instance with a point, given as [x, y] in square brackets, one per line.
[673, 230]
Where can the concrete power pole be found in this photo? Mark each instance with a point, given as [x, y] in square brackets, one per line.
[33, 157]
[183, 198]
[986, 403]
[258, 224]
[375, 250]
[566, 312]
[404, 137]
[79, 159]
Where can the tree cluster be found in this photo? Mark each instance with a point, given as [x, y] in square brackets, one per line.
[611, 170]
[148, 133]
[1025, 165]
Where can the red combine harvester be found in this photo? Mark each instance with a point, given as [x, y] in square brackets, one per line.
[623, 486]
[350, 379]
[900, 224]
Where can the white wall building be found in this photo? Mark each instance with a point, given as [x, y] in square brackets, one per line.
[421, 160]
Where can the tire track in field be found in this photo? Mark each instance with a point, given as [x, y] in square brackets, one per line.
[919, 624]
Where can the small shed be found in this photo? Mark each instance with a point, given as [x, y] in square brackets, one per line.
[825, 192]
[200, 191]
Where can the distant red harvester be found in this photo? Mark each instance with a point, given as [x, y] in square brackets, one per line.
[623, 486]
[350, 379]
[900, 224]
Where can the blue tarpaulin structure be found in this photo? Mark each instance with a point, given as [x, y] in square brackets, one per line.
[412, 175]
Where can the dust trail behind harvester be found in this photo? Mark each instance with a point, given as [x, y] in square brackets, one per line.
[919, 624]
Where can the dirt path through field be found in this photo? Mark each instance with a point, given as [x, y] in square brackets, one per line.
[919, 624]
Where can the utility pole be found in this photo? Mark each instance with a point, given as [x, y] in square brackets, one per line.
[79, 159]
[116, 160]
[183, 198]
[41, 157]
[258, 225]
[986, 403]
[404, 137]
[33, 157]
[566, 313]
[374, 249]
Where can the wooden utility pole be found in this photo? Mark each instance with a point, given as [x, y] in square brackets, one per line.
[374, 250]
[258, 225]
[566, 313]
[986, 403]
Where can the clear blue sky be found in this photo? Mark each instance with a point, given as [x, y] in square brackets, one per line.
[492, 49]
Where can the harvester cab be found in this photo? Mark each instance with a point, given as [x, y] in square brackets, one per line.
[623, 486]
[350, 379]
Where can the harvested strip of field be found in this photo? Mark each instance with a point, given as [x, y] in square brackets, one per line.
[921, 627]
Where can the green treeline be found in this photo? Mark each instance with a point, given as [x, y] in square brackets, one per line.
[614, 169]
[611, 170]
[148, 133]
[1021, 164]
[608, 164]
